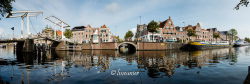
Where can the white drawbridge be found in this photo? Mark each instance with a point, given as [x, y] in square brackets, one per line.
[24, 14]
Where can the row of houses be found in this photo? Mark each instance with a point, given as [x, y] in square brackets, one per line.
[88, 34]
[168, 32]
[82, 34]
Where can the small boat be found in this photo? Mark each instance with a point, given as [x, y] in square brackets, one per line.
[2, 46]
[240, 43]
[200, 45]
[123, 49]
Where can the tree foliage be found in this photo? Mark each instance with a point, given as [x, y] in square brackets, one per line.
[68, 33]
[152, 26]
[191, 33]
[247, 40]
[128, 35]
[5, 6]
[118, 38]
[216, 35]
[242, 3]
[233, 33]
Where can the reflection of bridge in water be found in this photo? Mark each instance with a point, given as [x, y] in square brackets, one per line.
[154, 63]
[28, 44]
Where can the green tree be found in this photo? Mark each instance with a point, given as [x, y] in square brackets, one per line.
[247, 40]
[5, 6]
[68, 33]
[128, 36]
[118, 39]
[242, 3]
[233, 33]
[153, 27]
[216, 35]
[191, 32]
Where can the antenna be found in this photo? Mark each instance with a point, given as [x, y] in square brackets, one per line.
[140, 19]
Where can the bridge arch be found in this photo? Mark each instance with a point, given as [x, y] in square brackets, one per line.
[129, 47]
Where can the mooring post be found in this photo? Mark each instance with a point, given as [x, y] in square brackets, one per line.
[248, 69]
[28, 45]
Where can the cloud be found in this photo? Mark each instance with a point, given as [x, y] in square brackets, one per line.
[133, 30]
[1, 31]
[112, 7]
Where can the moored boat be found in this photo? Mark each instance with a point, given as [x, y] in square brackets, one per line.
[240, 43]
[2, 46]
[200, 45]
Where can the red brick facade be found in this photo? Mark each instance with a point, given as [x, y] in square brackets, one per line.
[169, 32]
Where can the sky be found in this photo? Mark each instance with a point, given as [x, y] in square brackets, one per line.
[123, 15]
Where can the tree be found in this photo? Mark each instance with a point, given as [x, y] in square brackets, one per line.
[247, 40]
[118, 39]
[216, 36]
[5, 6]
[68, 33]
[128, 36]
[152, 27]
[233, 33]
[242, 3]
[190, 33]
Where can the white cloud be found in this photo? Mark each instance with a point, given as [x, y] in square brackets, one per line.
[1, 31]
[112, 7]
[133, 30]
[2, 34]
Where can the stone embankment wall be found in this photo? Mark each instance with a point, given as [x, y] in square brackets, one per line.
[100, 46]
[158, 46]
[114, 46]
[139, 46]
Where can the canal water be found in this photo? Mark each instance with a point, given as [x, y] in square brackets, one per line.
[218, 66]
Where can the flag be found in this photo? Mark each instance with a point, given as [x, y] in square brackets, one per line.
[12, 28]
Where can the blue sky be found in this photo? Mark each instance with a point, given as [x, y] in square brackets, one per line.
[123, 15]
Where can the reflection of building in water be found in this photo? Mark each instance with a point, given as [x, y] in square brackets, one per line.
[158, 61]
[89, 59]
[168, 66]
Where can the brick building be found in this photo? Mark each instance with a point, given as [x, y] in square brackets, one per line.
[88, 34]
[168, 32]
[47, 32]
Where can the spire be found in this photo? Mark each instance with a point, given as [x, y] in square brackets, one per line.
[169, 18]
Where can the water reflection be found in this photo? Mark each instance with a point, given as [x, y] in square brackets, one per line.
[56, 66]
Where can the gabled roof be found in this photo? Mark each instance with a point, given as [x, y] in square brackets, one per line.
[59, 33]
[78, 28]
[104, 26]
[223, 32]
[166, 23]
